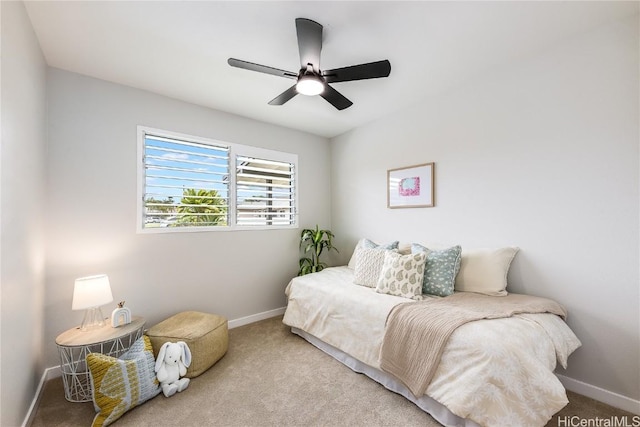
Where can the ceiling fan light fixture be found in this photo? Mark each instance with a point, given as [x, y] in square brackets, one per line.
[310, 80]
[310, 85]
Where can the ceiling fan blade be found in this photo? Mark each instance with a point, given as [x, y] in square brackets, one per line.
[372, 70]
[309, 42]
[284, 96]
[335, 98]
[261, 68]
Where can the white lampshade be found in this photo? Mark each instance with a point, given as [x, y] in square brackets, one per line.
[89, 293]
[92, 291]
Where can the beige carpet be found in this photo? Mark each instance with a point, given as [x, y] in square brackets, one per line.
[271, 377]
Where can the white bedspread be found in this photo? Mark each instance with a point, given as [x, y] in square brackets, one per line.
[495, 372]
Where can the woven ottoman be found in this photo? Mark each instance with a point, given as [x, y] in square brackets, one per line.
[205, 334]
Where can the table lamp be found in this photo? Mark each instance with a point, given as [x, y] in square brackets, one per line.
[89, 293]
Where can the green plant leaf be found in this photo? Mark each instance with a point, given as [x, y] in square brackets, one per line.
[314, 241]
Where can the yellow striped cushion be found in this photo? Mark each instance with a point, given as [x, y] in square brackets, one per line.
[121, 384]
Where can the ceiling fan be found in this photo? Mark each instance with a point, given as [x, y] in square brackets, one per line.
[311, 80]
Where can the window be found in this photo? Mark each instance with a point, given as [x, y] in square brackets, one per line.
[264, 192]
[195, 184]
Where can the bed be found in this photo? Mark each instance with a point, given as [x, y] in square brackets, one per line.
[493, 372]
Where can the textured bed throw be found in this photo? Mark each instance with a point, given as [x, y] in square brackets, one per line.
[416, 333]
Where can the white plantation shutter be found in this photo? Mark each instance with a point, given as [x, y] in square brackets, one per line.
[264, 192]
[188, 184]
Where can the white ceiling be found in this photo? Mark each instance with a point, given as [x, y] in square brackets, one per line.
[180, 49]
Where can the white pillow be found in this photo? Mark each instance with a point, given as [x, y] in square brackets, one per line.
[368, 266]
[402, 275]
[485, 271]
[366, 243]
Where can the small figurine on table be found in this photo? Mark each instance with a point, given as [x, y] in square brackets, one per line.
[120, 316]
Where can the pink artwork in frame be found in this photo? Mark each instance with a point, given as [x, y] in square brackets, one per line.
[411, 187]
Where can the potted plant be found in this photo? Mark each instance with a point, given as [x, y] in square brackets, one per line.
[314, 242]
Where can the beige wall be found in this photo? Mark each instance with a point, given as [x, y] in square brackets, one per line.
[22, 189]
[91, 215]
[540, 154]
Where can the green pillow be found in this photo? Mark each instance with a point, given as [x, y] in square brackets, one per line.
[441, 269]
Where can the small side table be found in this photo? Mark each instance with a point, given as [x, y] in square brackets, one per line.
[74, 345]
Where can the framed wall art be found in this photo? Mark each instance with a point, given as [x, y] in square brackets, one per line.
[411, 187]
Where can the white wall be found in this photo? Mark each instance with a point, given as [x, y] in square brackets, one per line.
[91, 218]
[22, 188]
[542, 154]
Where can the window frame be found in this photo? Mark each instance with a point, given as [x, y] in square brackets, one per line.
[235, 150]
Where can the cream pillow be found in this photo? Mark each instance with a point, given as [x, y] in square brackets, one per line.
[402, 275]
[485, 271]
[404, 249]
[368, 244]
[368, 266]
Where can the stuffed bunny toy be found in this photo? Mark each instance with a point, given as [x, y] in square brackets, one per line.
[171, 364]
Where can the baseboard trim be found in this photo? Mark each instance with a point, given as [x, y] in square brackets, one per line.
[48, 374]
[256, 317]
[52, 372]
[601, 395]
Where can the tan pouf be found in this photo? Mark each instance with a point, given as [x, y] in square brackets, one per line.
[205, 334]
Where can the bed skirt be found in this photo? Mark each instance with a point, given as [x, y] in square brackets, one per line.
[438, 411]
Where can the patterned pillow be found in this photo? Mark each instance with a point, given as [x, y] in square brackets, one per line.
[441, 269]
[368, 266]
[121, 384]
[368, 244]
[402, 275]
